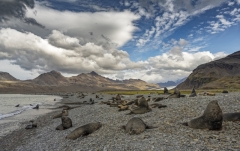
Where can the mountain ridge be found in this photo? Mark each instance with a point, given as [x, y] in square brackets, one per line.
[215, 74]
[5, 76]
[50, 78]
[54, 81]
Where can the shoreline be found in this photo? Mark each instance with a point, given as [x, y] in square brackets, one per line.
[17, 137]
[170, 134]
[14, 120]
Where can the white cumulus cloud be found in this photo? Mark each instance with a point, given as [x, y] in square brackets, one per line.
[115, 26]
[61, 53]
[65, 54]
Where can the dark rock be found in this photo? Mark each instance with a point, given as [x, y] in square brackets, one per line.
[159, 99]
[165, 90]
[176, 94]
[224, 91]
[36, 107]
[32, 125]
[118, 98]
[193, 93]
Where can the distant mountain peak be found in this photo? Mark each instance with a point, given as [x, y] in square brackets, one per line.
[54, 71]
[171, 83]
[5, 76]
[93, 73]
[50, 78]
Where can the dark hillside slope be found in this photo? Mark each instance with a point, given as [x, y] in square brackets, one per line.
[215, 74]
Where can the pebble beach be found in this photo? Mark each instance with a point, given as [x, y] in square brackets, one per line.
[170, 134]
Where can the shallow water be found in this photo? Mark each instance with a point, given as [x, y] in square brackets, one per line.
[11, 116]
[26, 102]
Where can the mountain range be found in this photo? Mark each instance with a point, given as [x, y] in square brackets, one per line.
[218, 74]
[54, 81]
[171, 83]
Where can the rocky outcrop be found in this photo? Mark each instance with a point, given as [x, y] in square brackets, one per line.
[215, 74]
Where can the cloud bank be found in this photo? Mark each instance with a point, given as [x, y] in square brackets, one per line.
[66, 54]
[60, 52]
[36, 38]
[99, 27]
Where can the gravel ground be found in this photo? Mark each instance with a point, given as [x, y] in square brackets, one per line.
[170, 134]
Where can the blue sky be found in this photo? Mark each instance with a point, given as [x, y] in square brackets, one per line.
[152, 40]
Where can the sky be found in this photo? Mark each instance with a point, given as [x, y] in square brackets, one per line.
[152, 40]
